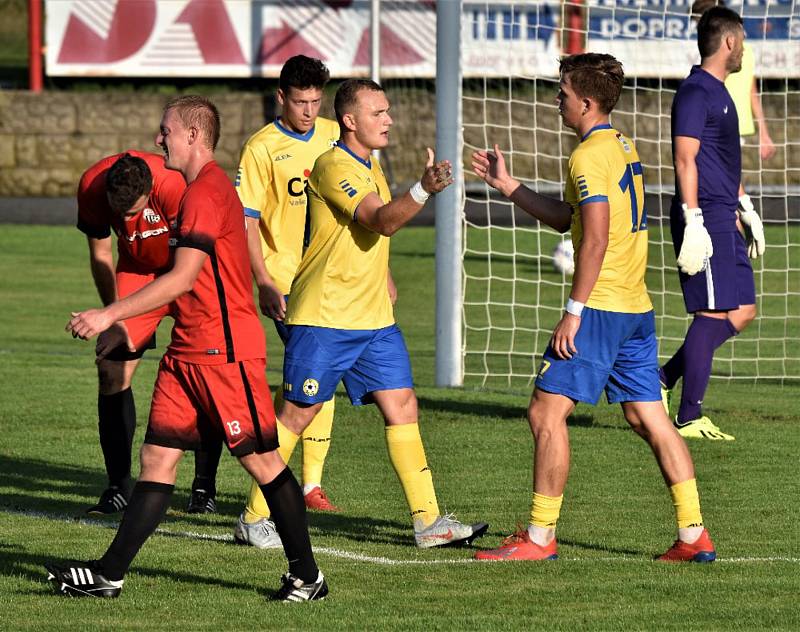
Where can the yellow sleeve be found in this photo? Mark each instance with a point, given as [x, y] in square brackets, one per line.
[589, 177]
[343, 187]
[253, 179]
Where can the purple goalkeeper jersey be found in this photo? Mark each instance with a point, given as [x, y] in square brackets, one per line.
[703, 109]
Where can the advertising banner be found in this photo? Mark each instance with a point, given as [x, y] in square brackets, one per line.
[243, 38]
[658, 38]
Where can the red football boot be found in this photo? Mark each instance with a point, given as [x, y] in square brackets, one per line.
[518, 546]
[701, 550]
[317, 499]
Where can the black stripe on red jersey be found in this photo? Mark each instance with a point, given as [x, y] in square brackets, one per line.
[95, 232]
[251, 404]
[193, 241]
[223, 307]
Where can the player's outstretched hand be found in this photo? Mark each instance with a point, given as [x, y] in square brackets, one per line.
[753, 227]
[112, 338]
[437, 175]
[696, 248]
[88, 324]
[490, 166]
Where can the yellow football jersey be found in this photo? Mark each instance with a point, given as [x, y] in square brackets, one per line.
[740, 87]
[341, 281]
[273, 169]
[605, 167]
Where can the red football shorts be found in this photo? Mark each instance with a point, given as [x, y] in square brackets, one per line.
[141, 329]
[195, 405]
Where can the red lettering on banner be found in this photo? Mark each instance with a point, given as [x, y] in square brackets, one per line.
[278, 45]
[394, 50]
[213, 31]
[130, 28]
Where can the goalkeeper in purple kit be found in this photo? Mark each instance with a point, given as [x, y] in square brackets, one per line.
[709, 213]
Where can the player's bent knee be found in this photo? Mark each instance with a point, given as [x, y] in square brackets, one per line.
[263, 467]
[158, 463]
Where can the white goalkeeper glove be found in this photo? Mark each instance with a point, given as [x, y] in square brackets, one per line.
[753, 228]
[696, 249]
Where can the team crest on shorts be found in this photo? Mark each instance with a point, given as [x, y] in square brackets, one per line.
[310, 387]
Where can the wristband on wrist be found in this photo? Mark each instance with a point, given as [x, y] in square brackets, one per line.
[574, 307]
[419, 194]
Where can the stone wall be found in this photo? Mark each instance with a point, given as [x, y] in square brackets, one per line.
[48, 140]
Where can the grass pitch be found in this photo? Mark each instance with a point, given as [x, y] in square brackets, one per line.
[616, 515]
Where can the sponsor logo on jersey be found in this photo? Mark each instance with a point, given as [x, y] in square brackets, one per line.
[283, 157]
[347, 188]
[212, 351]
[297, 186]
[310, 387]
[147, 233]
[725, 110]
[150, 216]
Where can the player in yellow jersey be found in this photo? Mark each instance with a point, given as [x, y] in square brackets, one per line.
[340, 316]
[274, 166]
[606, 338]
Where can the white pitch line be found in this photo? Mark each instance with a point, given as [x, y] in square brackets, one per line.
[372, 559]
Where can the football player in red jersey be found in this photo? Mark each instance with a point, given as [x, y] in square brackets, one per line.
[134, 195]
[212, 379]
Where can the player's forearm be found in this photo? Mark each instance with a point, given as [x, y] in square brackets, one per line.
[588, 262]
[555, 213]
[391, 217]
[256, 253]
[758, 111]
[161, 291]
[104, 278]
[686, 175]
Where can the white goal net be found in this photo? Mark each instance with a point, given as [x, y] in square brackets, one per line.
[512, 294]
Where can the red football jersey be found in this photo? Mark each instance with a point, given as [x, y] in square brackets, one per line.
[216, 321]
[143, 239]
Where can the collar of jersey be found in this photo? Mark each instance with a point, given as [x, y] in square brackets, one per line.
[304, 137]
[367, 163]
[596, 128]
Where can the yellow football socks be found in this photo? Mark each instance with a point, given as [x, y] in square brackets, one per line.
[545, 510]
[407, 455]
[686, 501]
[316, 442]
[257, 508]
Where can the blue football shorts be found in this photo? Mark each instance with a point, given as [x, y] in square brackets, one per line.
[366, 360]
[617, 352]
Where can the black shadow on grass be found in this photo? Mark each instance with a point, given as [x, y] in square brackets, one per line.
[15, 561]
[479, 408]
[31, 477]
[360, 529]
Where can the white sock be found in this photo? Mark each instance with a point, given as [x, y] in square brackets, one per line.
[690, 535]
[541, 535]
[308, 487]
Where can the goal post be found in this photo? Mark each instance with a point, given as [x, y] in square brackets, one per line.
[449, 203]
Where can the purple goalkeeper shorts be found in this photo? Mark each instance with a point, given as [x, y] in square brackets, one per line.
[727, 282]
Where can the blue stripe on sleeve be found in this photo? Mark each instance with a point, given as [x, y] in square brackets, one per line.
[251, 212]
[594, 198]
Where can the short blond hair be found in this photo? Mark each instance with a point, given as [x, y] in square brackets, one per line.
[199, 112]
